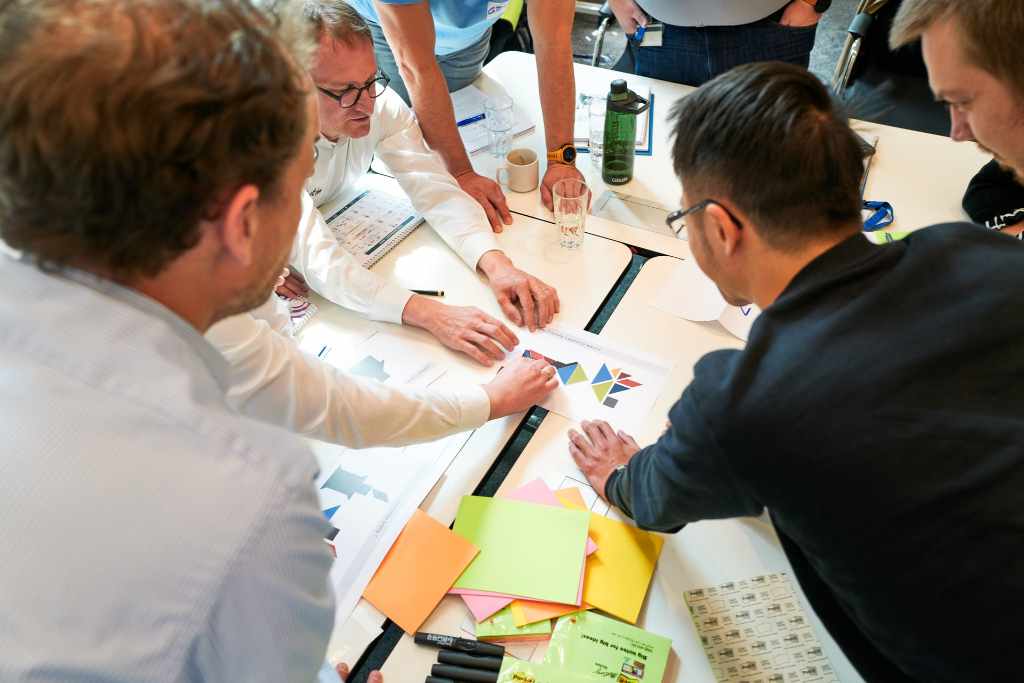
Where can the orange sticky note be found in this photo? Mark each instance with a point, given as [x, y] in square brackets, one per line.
[571, 498]
[528, 612]
[420, 568]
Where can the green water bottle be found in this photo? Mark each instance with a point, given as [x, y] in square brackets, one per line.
[620, 133]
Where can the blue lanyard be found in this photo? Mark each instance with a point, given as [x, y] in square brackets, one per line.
[882, 217]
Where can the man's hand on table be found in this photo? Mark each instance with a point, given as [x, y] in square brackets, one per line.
[798, 14]
[526, 300]
[465, 329]
[374, 677]
[521, 383]
[555, 173]
[488, 193]
[599, 450]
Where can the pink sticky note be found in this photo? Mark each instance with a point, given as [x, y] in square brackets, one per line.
[483, 606]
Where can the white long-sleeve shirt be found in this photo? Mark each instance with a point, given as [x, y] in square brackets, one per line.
[396, 138]
[272, 380]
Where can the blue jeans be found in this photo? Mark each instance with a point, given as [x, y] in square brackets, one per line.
[692, 56]
[459, 68]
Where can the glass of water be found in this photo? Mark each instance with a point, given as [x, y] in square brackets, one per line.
[498, 118]
[572, 203]
[596, 110]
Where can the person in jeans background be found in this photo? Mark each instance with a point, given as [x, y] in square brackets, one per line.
[705, 38]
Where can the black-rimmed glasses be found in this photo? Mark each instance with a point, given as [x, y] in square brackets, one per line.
[348, 97]
[677, 216]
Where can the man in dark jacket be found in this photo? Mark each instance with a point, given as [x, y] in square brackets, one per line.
[876, 410]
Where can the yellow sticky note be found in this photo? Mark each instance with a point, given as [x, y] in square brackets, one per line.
[406, 587]
[618, 575]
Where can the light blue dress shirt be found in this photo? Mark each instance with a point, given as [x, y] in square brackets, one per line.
[147, 533]
[457, 23]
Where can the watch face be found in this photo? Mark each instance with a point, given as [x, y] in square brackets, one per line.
[569, 154]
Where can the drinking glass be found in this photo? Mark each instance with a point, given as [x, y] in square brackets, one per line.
[572, 203]
[498, 118]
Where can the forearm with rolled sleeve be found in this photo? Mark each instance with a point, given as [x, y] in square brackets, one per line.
[335, 274]
[434, 193]
[273, 381]
[681, 478]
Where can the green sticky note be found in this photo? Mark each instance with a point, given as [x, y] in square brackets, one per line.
[527, 550]
[607, 649]
[501, 625]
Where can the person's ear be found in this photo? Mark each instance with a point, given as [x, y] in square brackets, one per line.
[722, 230]
[239, 225]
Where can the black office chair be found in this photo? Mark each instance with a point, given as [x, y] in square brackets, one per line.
[627, 61]
[511, 33]
[883, 86]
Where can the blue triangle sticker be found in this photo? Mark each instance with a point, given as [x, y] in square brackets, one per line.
[602, 375]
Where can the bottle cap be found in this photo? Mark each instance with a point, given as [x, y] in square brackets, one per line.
[618, 86]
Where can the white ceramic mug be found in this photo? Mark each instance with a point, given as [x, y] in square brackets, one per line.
[521, 170]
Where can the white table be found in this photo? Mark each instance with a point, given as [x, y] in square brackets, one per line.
[923, 176]
[423, 261]
[703, 554]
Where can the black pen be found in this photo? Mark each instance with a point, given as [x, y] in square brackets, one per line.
[428, 292]
[469, 661]
[459, 673]
[435, 679]
[461, 644]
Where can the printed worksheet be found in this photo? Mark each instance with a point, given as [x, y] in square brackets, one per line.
[597, 381]
[755, 631]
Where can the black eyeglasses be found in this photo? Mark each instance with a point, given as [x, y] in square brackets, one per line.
[679, 215]
[348, 97]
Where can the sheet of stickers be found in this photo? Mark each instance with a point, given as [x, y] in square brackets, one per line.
[755, 631]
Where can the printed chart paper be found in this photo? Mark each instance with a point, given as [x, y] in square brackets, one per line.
[368, 495]
[755, 631]
[691, 295]
[597, 381]
[381, 357]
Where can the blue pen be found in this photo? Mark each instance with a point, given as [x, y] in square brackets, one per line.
[472, 119]
[638, 35]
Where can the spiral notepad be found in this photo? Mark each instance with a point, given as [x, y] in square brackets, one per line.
[371, 224]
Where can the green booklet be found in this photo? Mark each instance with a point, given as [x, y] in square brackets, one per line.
[519, 671]
[604, 649]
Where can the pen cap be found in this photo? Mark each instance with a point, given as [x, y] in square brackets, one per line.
[460, 673]
[469, 661]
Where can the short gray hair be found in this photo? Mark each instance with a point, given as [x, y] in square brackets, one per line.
[338, 19]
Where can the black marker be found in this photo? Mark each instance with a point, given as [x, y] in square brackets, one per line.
[435, 679]
[461, 644]
[469, 661]
[428, 292]
[459, 673]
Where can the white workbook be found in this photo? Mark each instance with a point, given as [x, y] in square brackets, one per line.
[756, 631]
[597, 380]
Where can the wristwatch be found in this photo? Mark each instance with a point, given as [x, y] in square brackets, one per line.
[819, 5]
[566, 154]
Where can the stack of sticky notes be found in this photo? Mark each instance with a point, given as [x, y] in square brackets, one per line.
[543, 555]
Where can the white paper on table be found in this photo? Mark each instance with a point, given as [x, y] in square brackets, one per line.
[380, 357]
[691, 295]
[350, 639]
[468, 103]
[596, 380]
[368, 495]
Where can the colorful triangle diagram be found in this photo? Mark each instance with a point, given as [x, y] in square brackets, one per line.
[577, 375]
[565, 372]
[617, 388]
[601, 390]
[623, 375]
[631, 383]
[328, 513]
[602, 375]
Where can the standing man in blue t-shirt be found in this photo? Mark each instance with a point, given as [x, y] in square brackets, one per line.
[429, 48]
